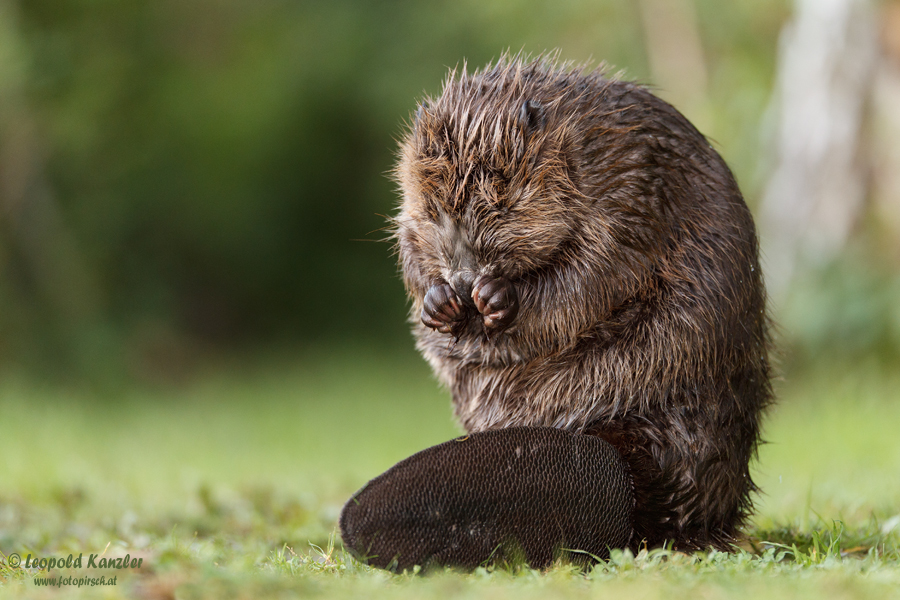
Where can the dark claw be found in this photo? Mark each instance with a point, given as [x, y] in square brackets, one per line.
[442, 310]
[496, 299]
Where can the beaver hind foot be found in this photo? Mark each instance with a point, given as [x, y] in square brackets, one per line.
[531, 494]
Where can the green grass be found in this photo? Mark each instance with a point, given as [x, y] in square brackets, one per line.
[231, 487]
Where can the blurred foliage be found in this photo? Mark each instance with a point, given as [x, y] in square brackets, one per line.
[848, 312]
[203, 174]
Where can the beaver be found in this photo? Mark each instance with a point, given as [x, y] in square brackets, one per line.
[579, 258]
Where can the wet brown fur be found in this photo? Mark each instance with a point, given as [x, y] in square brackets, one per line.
[641, 308]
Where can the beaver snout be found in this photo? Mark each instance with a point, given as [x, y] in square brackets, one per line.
[462, 282]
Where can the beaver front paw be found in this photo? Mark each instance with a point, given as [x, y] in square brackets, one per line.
[497, 300]
[442, 310]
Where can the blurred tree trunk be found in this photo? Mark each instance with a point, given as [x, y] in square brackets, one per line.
[884, 133]
[675, 53]
[817, 189]
[40, 262]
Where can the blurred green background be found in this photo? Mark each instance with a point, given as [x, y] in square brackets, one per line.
[191, 177]
[187, 180]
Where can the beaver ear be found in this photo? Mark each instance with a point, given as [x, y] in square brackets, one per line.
[421, 111]
[532, 116]
[423, 130]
